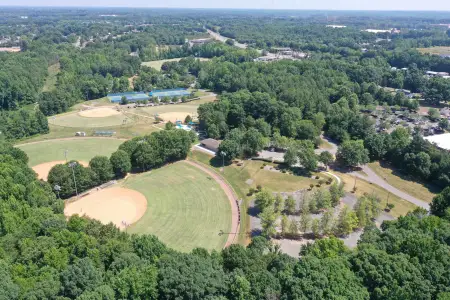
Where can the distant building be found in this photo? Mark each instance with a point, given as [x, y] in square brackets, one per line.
[200, 41]
[336, 26]
[436, 74]
[210, 144]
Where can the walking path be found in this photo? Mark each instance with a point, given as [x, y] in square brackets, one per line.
[232, 197]
[68, 139]
[374, 178]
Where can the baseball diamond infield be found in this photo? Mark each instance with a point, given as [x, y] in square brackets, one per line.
[116, 205]
[99, 112]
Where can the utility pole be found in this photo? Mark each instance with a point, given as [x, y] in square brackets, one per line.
[223, 160]
[73, 165]
[65, 154]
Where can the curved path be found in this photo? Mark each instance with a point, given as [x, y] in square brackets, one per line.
[232, 197]
[374, 178]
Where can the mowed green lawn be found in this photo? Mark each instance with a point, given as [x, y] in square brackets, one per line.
[186, 208]
[79, 149]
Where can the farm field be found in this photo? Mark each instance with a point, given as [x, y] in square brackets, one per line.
[186, 208]
[437, 50]
[401, 182]
[157, 64]
[79, 149]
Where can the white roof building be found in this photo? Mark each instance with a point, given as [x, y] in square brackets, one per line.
[441, 140]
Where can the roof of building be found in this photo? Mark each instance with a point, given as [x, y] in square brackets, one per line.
[210, 143]
[441, 140]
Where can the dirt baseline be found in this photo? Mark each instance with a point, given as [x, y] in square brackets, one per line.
[43, 169]
[174, 116]
[99, 112]
[113, 205]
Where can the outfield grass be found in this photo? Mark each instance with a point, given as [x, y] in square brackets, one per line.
[186, 208]
[152, 110]
[422, 191]
[50, 81]
[157, 64]
[79, 149]
[362, 187]
[75, 120]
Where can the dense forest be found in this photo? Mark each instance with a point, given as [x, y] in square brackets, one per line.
[45, 256]
[283, 104]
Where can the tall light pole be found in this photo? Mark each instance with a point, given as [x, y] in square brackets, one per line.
[72, 165]
[223, 160]
[57, 189]
[65, 154]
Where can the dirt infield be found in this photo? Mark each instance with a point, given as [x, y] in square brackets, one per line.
[235, 223]
[99, 112]
[43, 169]
[174, 116]
[113, 205]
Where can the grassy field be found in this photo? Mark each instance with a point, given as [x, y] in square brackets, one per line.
[422, 191]
[438, 50]
[157, 64]
[237, 177]
[152, 110]
[75, 120]
[79, 149]
[186, 208]
[401, 206]
[50, 81]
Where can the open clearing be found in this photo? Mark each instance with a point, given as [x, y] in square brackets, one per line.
[93, 118]
[157, 64]
[186, 207]
[174, 116]
[438, 50]
[50, 81]
[43, 169]
[81, 149]
[401, 182]
[116, 205]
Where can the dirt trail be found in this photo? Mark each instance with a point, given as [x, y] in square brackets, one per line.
[232, 197]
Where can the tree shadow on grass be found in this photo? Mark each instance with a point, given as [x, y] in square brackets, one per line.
[253, 211]
[255, 232]
[397, 172]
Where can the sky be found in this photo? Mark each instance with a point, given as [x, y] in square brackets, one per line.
[436, 5]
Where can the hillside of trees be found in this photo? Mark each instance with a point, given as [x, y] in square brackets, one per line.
[45, 256]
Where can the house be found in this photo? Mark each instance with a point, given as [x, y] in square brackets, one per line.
[210, 144]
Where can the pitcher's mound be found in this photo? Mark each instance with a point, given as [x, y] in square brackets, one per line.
[118, 205]
[43, 169]
[99, 112]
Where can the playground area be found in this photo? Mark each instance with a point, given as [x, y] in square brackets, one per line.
[43, 169]
[116, 205]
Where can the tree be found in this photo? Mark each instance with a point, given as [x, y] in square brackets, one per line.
[290, 205]
[102, 167]
[229, 42]
[336, 192]
[121, 163]
[79, 277]
[279, 203]
[124, 100]
[268, 221]
[264, 199]
[433, 114]
[284, 225]
[231, 149]
[322, 198]
[352, 153]
[188, 119]
[347, 221]
[293, 228]
[305, 221]
[327, 222]
[441, 203]
[326, 158]
[315, 228]
[239, 288]
[444, 124]
[169, 126]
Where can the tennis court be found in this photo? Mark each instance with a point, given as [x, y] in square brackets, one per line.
[131, 97]
[170, 93]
